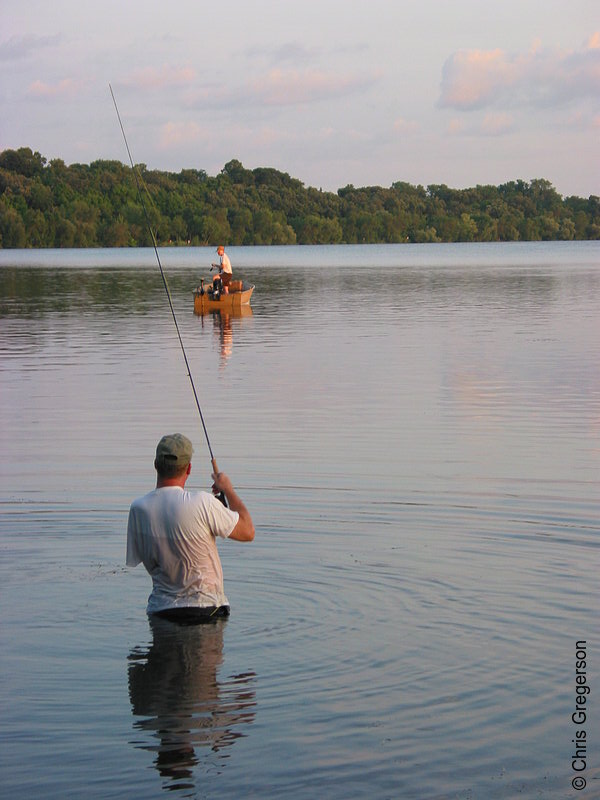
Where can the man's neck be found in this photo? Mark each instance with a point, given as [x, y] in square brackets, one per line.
[161, 483]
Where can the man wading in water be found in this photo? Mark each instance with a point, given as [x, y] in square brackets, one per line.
[173, 532]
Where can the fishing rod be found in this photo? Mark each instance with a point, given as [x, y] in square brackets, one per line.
[221, 496]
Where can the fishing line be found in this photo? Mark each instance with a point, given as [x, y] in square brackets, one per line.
[166, 285]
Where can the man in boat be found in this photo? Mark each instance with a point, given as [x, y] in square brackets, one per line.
[173, 532]
[224, 267]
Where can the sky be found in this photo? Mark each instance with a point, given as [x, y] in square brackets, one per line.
[334, 92]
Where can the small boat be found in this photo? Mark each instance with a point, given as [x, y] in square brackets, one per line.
[238, 296]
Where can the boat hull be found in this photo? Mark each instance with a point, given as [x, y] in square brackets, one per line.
[234, 301]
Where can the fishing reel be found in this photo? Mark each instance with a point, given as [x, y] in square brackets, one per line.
[219, 495]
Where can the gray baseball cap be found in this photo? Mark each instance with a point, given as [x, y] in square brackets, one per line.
[174, 450]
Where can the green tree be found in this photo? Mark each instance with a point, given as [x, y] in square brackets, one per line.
[65, 233]
[12, 228]
[22, 161]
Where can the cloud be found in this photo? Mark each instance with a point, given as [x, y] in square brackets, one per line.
[293, 87]
[19, 47]
[255, 143]
[476, 79]
[165, 77]
[472, 78]
[278, 88]
[594, 41]
[497, 124]
[175, 134]
[405, 126]
[178, 134]
[296, 52]
[493, 124]
[456, 127]
[65, 88]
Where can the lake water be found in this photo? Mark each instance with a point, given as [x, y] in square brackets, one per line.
[416, 431]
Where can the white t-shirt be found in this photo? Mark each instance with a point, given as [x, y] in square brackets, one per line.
[226, 264]
[173, 532]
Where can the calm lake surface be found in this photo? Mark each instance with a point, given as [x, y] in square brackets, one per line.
[416, 431]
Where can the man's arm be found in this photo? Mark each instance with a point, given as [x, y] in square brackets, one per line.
[244, 529]
[133, 557]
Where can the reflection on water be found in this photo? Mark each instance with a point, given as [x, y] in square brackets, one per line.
[223, 323]
[179, 703]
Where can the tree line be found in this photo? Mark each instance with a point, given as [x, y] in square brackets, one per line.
[49, 204]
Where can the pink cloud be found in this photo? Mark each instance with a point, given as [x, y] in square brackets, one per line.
[405, 126]
[493, 124]
[292, 87]
[278, 88]
[63, 88]
[593, 42]
[456, 127]
[497, 124]
[474, 79]
[173, 134]
[163, 77]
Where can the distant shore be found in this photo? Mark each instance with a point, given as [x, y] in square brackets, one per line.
[47, 204]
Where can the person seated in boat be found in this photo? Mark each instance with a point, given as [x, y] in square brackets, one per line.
[224, 267]
[173, 532]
